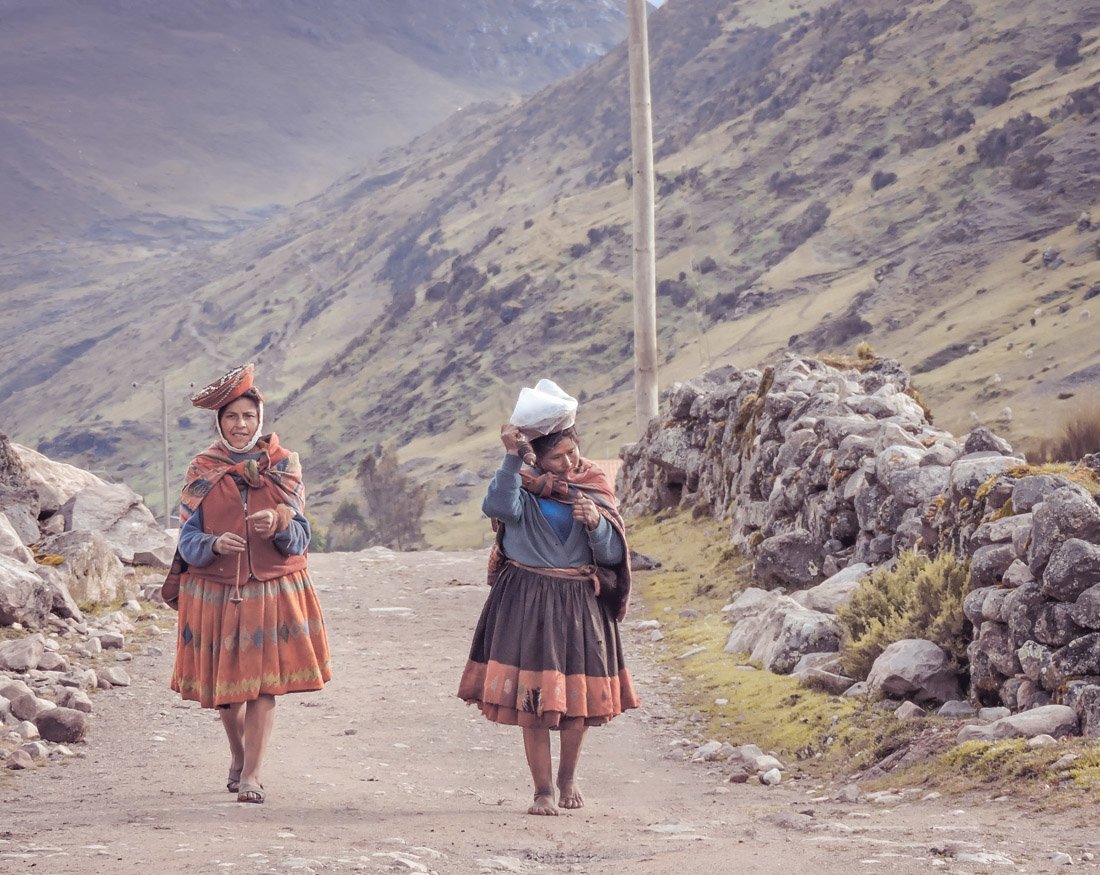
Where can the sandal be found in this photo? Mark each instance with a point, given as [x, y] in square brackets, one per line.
[251, 793]
[233, 784]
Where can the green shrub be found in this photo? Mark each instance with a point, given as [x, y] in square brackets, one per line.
[921, 598]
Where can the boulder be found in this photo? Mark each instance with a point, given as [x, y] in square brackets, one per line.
[1032, 490]
[915, 668]
[835, 591]
[988, 564]
[792, 559]
[1074, 566]
[973, 470]
[1001, 531]
[1083, 696]
[779, 638]
[1055, 720]
[1080, 657]
[982, 440]
[23, 597]
[55, 482]
[76, 699]
[1034, 659]
[1055, 625]
[117, 513]
[57, 582]
[92, 572]
[1067, 513]
[1086, 610]
[1023, 607]
[956, 708]
[820, 679]
[11, 545]
[751, 603]
[62, 725]
[996, 643]
[1017, 574]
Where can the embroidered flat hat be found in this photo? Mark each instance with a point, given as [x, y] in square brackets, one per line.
[226, 388]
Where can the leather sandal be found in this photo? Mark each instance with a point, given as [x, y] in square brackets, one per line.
[251, 793]
[233, 783]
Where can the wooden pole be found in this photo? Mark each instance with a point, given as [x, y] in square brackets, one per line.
[164, 442]
[645, 269]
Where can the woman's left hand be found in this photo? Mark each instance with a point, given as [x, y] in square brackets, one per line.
[262, 523]
[585, 511]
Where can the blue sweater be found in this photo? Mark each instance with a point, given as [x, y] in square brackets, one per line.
[530, 539]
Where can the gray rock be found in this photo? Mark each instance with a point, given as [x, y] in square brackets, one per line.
[11, 545]
[860, 688]
[1001, 531]
[1029, 695]
[771, 777]
[971, 471]
[1085, 612]
[1034, 659]
[1067, 513]
[835, 591]
[956, 708]
[36, 750]
[28, 706]
[53, 662]
[982, 440]
[988, 564]
[1084, 697]
[974, 602]
[76, 699]
[23, 597]
[823, 661]
[992, 714]
[782, 636]
[995, 641]
[111, 640]
[909, 711]
[753, 602]
[19, 759]
[63, 725]
[22, 654]
[917, 668]
[57, 583]
[115, 676]
[1055, 720]
[791, 559]
[1079, 657]
[1017, 574]
[92, 572]
[10, 688]
[1055, 625]
[1023, 606]
[1032, 490]
[117, 513]
[1074, 566]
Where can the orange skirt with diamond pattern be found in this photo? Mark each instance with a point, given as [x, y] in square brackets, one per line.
[272, 642]
[546, 654]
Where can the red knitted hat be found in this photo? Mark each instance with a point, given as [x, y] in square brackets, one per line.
[225, 389]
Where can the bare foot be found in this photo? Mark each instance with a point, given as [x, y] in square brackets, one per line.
[544, 804]
[570, 795]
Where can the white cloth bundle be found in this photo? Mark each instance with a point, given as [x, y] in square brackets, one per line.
[544, 409]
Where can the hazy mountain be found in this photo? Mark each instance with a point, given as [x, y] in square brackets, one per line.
[158, 121]
[829, 173]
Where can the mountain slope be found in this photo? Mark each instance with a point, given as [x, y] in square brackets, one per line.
[836, 173]
[117, 118]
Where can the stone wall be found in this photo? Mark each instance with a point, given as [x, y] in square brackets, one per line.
[816, 469]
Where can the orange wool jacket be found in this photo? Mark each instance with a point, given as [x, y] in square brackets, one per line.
[223, 511]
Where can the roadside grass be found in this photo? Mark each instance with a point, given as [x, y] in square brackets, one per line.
[820, 735]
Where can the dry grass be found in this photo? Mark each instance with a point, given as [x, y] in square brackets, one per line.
[1080, 436]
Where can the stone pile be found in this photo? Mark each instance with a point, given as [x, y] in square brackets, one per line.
[67, 539]
[49, 681]
[824, 474]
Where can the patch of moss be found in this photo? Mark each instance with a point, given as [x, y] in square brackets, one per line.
[1079, 474]
[1006, 510]
[702, 572]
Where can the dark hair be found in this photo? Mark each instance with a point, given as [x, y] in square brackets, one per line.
[543, 445]
[252, 395]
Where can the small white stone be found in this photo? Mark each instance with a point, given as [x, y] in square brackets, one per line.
[1061, 859]
[1041, 741]
[771, 777]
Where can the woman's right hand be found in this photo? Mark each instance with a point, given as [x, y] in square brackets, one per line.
[229, 542]
[511, 437]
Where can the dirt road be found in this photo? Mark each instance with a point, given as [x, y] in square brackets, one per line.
[386, 771]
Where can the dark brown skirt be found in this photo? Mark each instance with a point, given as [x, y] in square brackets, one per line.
[546, 654]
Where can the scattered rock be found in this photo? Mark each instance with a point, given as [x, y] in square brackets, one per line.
[22, 654]
[1053, 720]
[771, 777]
[65, 725]
[19, 759]
[909, 711]
[956, 708]
[115, 676]
[914, 667]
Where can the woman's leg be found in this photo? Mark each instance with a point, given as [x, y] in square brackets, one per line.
[233, 723]
[536, 744]
[569, 794]
[259, 719]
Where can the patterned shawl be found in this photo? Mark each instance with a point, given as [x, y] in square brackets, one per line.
[277, 464]
[590, 481]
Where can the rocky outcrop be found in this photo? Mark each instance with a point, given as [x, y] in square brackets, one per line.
[818, 471]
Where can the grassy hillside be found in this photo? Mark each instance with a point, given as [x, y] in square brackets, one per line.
[828, 173]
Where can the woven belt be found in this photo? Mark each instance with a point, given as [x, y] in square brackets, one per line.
[581, 573]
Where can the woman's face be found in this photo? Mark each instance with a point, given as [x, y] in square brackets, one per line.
[239, 420]
[562, 458]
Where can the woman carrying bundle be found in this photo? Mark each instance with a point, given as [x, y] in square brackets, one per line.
[546, 651]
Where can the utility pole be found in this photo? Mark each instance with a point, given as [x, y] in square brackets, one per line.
[164, 442]
[645, 269]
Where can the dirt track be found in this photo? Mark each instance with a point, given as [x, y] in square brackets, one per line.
[386, 771]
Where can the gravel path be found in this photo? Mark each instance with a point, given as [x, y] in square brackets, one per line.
[386, 771]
